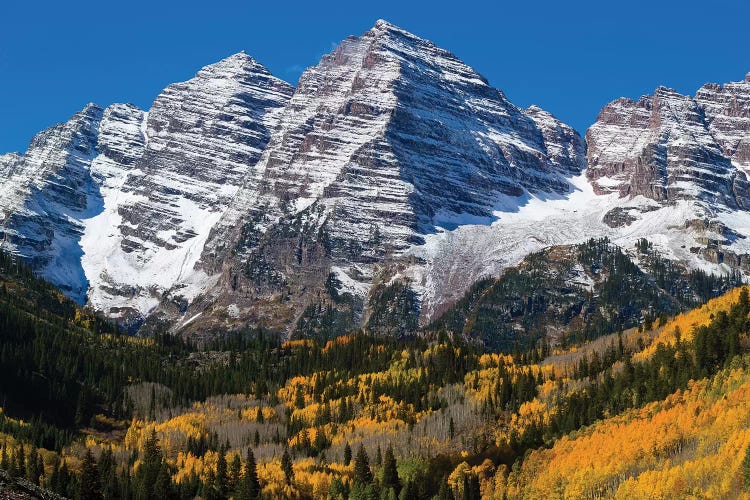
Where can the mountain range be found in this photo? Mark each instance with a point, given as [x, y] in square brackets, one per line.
[392, 178]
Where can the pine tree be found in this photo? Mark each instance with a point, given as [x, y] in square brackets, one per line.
[286, 465]
[249, 484]
[235, 472]
[444, 493]
[299, 398]
[163, 487]
[347, 454]
[90, 483]
[20, 468]
[409, 492]
[259, 416]
[34, 467]
[390, 473]
[362, 472]
[222, 479]
[148, 471]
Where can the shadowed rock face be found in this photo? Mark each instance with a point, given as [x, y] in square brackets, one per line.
[669, 147]
[45, 193]
[114, 205]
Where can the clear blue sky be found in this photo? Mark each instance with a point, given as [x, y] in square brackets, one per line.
[569, 57]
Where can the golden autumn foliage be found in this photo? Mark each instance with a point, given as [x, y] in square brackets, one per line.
[691, 444]
[685, 323]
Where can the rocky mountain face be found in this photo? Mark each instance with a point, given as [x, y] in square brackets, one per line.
[668, 146]
[580, 292]
[387, 183]
[388, 138]
[115, 205]
[188, 157]
[46, 193]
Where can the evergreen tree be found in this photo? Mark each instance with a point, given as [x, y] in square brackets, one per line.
[286, 466]
[347, 454]
[222, 478]
[90, 482]
[4, 462]
[34, 467]
[362, 472]
[338, 489]
[409, 492]
[147, 473]
[235, 472]
[299, 398]
[249, 484]
[163, 487]
[390, 473]
[444, 493]
[20, 469]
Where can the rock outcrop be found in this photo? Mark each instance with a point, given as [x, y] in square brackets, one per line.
[668, 146]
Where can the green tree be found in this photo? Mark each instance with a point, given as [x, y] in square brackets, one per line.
[145, 477]
[163, 487]
[222, 478]
[746, 466]
[362, 472]
[235, 472]
[4, 461]
[347, 454]
[444, 493]
[249, 484]
[90, 482]
[286, 465]
[390, 473]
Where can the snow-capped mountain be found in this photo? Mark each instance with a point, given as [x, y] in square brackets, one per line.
[114, 206]
[194, 148]
[386, 140]
[237, 199]
[46, 193]
[668, 168]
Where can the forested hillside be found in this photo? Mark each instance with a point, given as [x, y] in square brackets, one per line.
[647, 411]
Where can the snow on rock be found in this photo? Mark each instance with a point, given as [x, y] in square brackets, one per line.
[45, 195]
[393, 138]
[191, 152]
[115, 205]
[391, 159]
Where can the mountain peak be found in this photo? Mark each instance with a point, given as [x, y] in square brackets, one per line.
[747, 77]
[240, 60]
[384, 28]
[382, 24]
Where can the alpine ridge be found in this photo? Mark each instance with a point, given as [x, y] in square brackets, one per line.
[393, 171]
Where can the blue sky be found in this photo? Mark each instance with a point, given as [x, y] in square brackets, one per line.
[568, 57]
